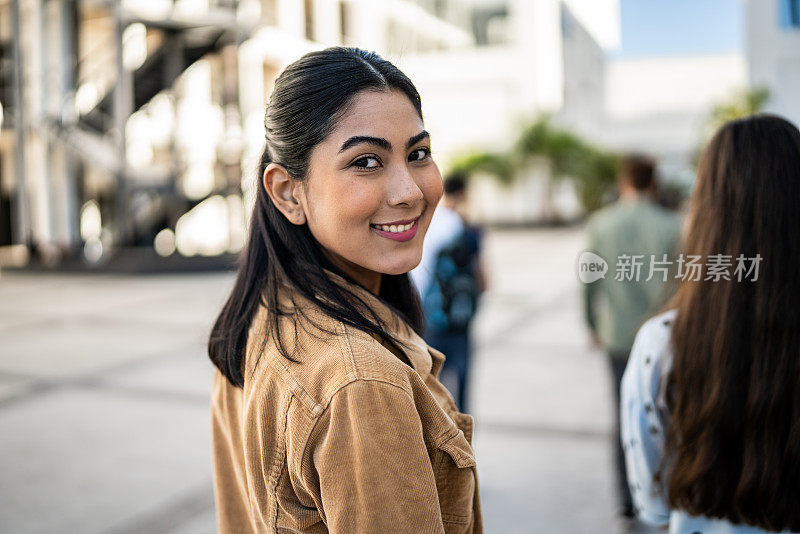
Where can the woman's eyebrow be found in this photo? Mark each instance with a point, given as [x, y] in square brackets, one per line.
[359, 139]
[381, 142]
[417, 138]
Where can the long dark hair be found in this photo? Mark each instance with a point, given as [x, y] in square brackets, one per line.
[309, 97]
[733, 440]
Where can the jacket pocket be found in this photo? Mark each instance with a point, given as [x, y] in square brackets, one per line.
[455, 482]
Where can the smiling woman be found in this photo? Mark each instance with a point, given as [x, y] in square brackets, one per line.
[371, 174]
[328, 415]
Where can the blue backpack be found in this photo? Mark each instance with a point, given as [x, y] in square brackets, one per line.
[451, 298]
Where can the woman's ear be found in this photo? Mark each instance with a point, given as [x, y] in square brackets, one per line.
[284, 193]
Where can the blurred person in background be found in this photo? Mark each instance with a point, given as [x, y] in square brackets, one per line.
[711, 396]
[616, 306]
[327, 412]
[450, 279]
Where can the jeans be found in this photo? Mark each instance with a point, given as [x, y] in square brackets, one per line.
[618, 361]
[457, 351]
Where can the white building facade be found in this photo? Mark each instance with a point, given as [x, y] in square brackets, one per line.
[661, 106]
[532, 57]
[773, 53]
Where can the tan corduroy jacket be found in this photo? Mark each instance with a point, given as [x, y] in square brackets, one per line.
[348, 440]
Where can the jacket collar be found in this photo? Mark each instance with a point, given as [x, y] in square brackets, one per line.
[423, 360]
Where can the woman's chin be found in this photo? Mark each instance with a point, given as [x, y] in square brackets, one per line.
[399, 267]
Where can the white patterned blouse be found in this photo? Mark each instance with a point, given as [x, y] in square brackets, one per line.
[643, 422]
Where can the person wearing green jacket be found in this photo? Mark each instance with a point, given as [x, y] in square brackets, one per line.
[639, 241]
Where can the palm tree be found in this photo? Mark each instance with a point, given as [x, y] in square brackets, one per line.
[591, 170]
[569, 157]
[500, 165]
[742, 104]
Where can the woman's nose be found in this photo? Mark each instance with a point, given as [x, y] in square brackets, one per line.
[403, 189]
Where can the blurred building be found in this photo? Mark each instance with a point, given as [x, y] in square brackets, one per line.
[557, 57]
[662, 105]
[531, 57]
[137, 124]
[96, 150]
[141, 121]
[773, 53]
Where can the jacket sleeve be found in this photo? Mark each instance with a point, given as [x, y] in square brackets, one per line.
[369, 464]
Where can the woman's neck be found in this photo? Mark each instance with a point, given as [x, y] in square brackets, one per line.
[369, 280]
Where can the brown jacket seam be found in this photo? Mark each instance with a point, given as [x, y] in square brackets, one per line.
[352, 371]
[285, 374]
[302, 394]
[276, 477]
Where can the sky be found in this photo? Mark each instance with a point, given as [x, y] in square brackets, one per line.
[680, 27]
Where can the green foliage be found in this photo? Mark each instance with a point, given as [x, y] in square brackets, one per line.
[595, 177]
[742, 104]
[563, 149]
[498, 164]
[592, 170]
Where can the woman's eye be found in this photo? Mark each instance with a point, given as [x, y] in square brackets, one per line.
[367, 162]
[419, 154]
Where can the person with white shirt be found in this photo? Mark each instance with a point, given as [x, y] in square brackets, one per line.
[450, 279]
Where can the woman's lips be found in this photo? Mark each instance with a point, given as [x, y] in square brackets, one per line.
[398, 236]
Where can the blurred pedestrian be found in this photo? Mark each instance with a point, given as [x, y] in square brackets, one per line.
[711, 396]
[450, 279]
[327, 412]
[633, 229]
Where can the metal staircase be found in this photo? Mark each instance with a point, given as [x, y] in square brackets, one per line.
[96, 137]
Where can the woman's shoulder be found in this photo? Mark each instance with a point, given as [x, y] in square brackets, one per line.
[326, 355]
[651, 355]
[654, 335]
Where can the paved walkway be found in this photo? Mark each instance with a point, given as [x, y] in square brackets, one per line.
[104, 385]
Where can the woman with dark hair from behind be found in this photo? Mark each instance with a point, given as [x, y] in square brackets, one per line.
[327, 412]
[711, 396]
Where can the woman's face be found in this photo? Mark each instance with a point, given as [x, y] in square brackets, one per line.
[372, 187]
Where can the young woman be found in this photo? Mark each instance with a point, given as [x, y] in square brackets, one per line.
[327, 412]
[711, 395]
